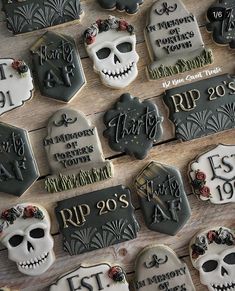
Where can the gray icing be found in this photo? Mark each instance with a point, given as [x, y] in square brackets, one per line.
[97, 220]
[174, 40]
[18, 168]
[57, 65]
[221, 17]
[133, 126]
[74, 152]
[162, 198]
[29, 15]
[202, 108]
[130, 6]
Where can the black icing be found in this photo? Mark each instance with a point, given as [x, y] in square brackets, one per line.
[130, 6]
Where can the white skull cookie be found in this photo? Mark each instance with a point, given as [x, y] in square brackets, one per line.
[25, 232]
[212, 253]
[111, 44]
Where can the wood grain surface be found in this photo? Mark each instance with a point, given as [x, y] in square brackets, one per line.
[34, 115]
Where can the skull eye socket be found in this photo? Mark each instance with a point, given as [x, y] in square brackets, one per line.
[37, 233]
[125, 47]
[230, 259]
[16, 240]
[103, 53]
[209, 266]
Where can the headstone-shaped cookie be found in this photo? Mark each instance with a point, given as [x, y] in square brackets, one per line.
[16, 84]
[97, 220]
[221, 17]
[212, 175]
[18, 168]
[111, 44]
[25, 232]
[133, 126]
[157, 267]
[74, 152]
[26, 16]
[162, 198]
[130, 6]
[96, 277]
[57, 65]
[212, 253]
[202, 108]
[174, 40]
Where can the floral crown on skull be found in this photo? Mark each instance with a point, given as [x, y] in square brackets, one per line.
[102, 25]
[222, 236]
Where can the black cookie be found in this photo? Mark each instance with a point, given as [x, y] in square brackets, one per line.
[97, 220]
[222, 22]
[130, 6]
[57, 66]
[133, 126]
[202, 108]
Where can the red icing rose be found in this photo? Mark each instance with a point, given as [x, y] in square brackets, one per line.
[205, 191]
[200, 176]
[29, 211]
[90, 39]
[123, 25]
[211, 236]
[5, 214]
[16, 64]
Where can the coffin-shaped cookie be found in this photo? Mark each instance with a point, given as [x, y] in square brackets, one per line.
[29, 15]
[202, 108]
[97, 220]
[157, 267]
[74, 152]
[162, 198]
[174, 40]
[97, 277]
[57, 65]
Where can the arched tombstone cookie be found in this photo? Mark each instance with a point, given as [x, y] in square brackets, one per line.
[111, 44]
[74, 152]
[221, 17]
[157, 267]
[18, 167]
[95, 277]
[162, 198]
[16, 84]
[212, 175]
[212, 253]
[133, 126]
[57, 66]
[174, 40]
[130, 6]
[25, 232]
[26, 16]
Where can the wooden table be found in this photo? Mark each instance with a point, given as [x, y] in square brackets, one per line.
[94, 100]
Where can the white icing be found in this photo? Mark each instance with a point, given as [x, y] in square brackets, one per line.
[222, 165]
[84, 274]
[125, 70]
[20, 88]
[36, 259]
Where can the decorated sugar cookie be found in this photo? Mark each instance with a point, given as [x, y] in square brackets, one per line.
[174, 40]
[25, 232]
[111, 44]
[74, 152]
[130, 6]
[221, 17]
[16, 84]
[212, 253]
[213, 175]
[57, 66]
[27, 16]
[97, 277]
[97, 220]
[18, 168]
[133, 126]
[162, 198]
[157, 267]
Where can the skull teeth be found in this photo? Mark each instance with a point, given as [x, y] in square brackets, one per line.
[34, 263]
[119, 73]
[230, 286]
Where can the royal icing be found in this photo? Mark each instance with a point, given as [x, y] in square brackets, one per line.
[130, 6]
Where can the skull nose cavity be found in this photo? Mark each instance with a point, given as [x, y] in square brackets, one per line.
[29, 246]
[116, 60]
[223, 271]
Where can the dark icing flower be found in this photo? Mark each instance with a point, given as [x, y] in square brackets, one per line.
[117, 274]
[20, 67]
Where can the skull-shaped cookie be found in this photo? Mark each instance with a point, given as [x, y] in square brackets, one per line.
[25, 232]
[212, 253]
[111, 44]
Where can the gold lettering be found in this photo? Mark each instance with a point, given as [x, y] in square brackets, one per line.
[67, 219]
[122, 199]
[84, 210]
[188, 97]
